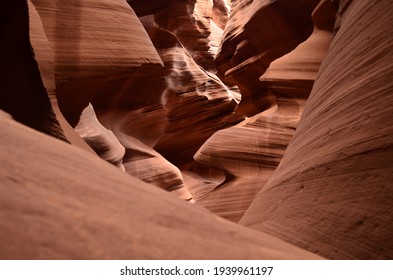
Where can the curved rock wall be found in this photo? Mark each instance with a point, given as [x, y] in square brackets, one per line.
[257, 33]
[74, 206]
[332, 192]
[162, 82]
[24, 91]
[173, 109]
[100, 139]
[90, 41]
[86, 62]
[250, 152]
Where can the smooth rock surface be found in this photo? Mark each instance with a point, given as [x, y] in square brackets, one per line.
[257, 33]
[332, 192]
[197, 99]
[91, 41]
[143, 162]
[173, 109]
[250, 152]
[100, 139]
[73, 205]
[24, 92]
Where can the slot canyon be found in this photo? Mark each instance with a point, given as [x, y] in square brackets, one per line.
[196, 129]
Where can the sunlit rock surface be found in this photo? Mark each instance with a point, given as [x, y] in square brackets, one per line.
[203, 100]
[71, 205]
[143, 162]
[173, 109]
[258, 32]
[28, 90]
[332, 192]
[100, 139]
[92, 41]
[250, 152]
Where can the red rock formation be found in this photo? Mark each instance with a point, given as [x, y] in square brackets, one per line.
[100, 139]
[74, 206]
[182, 103]
[28, 80]
[142, 161]
[92, 41]
[251, 151]
[332, 192]
[145, 163]
[154, 84]
[92, 65]
[220, 12]
[208, 100]
[23, 90]
[257, 33]
[130, 155]
[190, 22]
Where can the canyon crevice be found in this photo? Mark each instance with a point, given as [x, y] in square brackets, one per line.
[196, 129]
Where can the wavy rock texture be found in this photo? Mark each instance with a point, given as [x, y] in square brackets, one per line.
[257, 33]
[100, 60]
[74, 206]
[221, 12]
[162, 80]
[131, 155]
[145, 163]
[23, 92]
[45, 60]
[191, 22]
[142, 161]
[100, 139]
[250, 152]
[182, 103]
[91, 41]
[210, 102]
[332, 192]
[27, 73]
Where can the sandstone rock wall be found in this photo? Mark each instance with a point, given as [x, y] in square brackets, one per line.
[92, 41]
[332, 192]
[173, 109]
[86, 61]
[74, 206]
[250, 152]
[257, 33]
[24, 92]
[100, 139]
[165, 82]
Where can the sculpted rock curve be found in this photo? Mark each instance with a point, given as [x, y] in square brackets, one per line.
[334, 183]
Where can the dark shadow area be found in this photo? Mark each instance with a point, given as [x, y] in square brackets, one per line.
[23, 94]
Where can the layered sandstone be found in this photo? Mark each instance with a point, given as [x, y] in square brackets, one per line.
[250, 152]
[100, 139]
[23, 91]
[84, 66]
[258, 32]
[332, 192]
[142, 161]
[92, 41]
[74, 206]
[156, 93]
[173, 109]
[28, 76]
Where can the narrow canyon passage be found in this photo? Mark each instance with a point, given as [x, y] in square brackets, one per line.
[152, 122]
